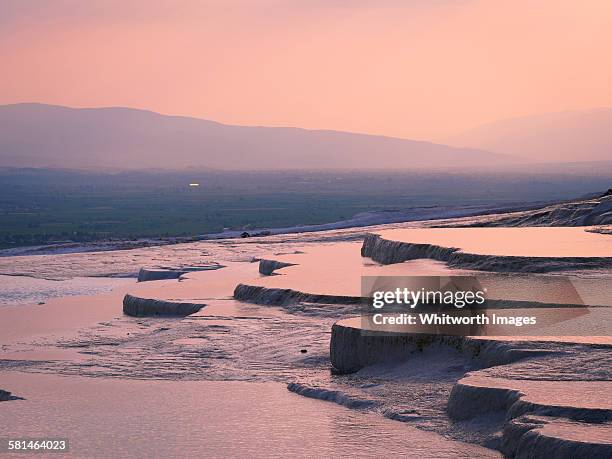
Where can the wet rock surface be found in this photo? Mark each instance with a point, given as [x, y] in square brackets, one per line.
[544, 436]
[267, 267]
[144, 307]
[388, 252]
[153, 274]
[280, 297]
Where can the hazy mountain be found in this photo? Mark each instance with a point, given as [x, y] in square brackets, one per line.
[556, 137]
[37, 135]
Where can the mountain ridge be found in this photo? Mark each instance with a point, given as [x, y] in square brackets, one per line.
[41, 135]
[572, 135]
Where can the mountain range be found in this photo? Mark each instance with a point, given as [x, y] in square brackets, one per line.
[38, 135]
[552, 137]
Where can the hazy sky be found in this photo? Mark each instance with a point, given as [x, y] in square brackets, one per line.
[409, 68]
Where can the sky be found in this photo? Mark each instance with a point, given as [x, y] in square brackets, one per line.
[420, 69]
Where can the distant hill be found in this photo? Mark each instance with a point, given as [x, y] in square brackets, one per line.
[553, 137]
[37, 135]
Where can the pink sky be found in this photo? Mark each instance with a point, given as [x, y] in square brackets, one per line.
[416, 69]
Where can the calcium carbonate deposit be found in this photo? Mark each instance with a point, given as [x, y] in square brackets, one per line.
[283, 311]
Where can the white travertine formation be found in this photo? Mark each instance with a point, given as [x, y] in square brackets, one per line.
[387, 251]
[143, 307]
[267, 267]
